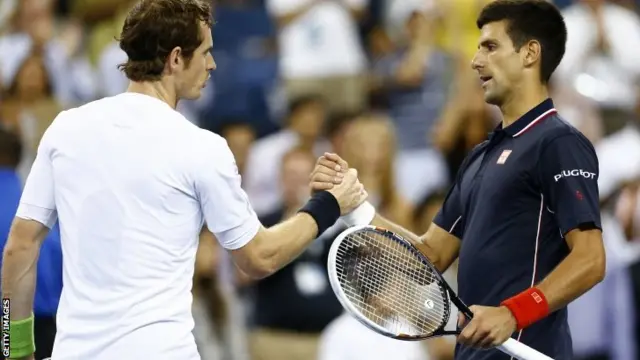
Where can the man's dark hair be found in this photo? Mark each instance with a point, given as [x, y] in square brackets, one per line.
[531, 20]
[10, 149]
[153, 28]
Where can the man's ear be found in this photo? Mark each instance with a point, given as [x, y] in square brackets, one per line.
[531, 53]
[174, 59]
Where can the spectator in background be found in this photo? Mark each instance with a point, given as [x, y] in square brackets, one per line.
[49, 275]
[347, 339]
[35, 29]
[294, 305]
[602, 321]
[210, 306]
[240, 136]
[464, 124]
[30, 106]
[320, 49]
[7, 8]
[578, 110]
[426, 210]
[337, 128]
[602, 60]
[303, 128]
[370, 147]
[417, 79]
[438, 348]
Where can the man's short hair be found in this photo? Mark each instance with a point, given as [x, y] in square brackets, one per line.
[10, 149]
[531, 20]
[154, 28]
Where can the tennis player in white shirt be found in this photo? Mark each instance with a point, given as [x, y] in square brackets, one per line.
[132, 183]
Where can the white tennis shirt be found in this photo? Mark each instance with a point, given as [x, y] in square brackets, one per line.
[132, 182]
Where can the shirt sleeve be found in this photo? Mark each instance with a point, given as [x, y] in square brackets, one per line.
[38, 197]
[224, 204]
[450, 215]
[568, 169]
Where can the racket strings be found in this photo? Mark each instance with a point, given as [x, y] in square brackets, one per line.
[390, 285]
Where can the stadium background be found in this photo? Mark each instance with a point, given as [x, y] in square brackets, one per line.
[384, 83]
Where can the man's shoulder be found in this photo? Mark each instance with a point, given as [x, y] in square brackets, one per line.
[210, 140]
[555, 128]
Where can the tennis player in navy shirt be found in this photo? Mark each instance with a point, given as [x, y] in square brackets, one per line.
[523, 213]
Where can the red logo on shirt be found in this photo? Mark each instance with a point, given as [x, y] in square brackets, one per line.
[579, 195]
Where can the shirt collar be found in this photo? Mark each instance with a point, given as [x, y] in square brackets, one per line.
[528, 120]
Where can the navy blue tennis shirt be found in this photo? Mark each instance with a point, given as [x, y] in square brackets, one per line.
[515, 197]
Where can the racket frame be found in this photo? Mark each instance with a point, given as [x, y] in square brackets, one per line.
[511, 347]
[346, 303]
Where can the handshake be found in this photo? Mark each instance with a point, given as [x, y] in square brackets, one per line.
[332, 174]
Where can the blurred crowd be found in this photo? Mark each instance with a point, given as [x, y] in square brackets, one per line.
[387, 85]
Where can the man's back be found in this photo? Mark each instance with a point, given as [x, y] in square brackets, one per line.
[129, 215]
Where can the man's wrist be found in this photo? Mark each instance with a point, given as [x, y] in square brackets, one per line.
[324, 208]
[362, 215]
[527, 307]
[21, 343]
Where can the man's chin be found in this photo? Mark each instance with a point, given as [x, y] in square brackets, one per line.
[491, 99]
[193, 95]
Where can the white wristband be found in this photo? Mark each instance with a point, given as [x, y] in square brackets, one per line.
[362, 215]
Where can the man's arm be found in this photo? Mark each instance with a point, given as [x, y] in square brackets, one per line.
[257, 251]
[582, 269]
[272, 248]
[437, 244]
[36, 214]
[19, 262]
[440, 246]
[568, 174]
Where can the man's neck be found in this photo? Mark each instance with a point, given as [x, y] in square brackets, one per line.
[155, 89]
[515, 107]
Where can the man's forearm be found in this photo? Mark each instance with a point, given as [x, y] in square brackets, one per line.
[574, 276]
[284, 242]
[19, 269]
[380, 221]
[441, 256]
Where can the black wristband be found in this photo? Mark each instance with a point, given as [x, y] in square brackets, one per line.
[324, 209]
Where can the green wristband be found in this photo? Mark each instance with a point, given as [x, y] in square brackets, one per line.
[22, 341]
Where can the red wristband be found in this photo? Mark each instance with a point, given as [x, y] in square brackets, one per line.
[527, 307]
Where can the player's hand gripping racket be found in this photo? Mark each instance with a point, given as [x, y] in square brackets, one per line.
[393, 289]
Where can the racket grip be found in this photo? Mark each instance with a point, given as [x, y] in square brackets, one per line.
[521, 351]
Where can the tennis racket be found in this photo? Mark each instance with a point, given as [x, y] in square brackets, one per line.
[393, 289]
